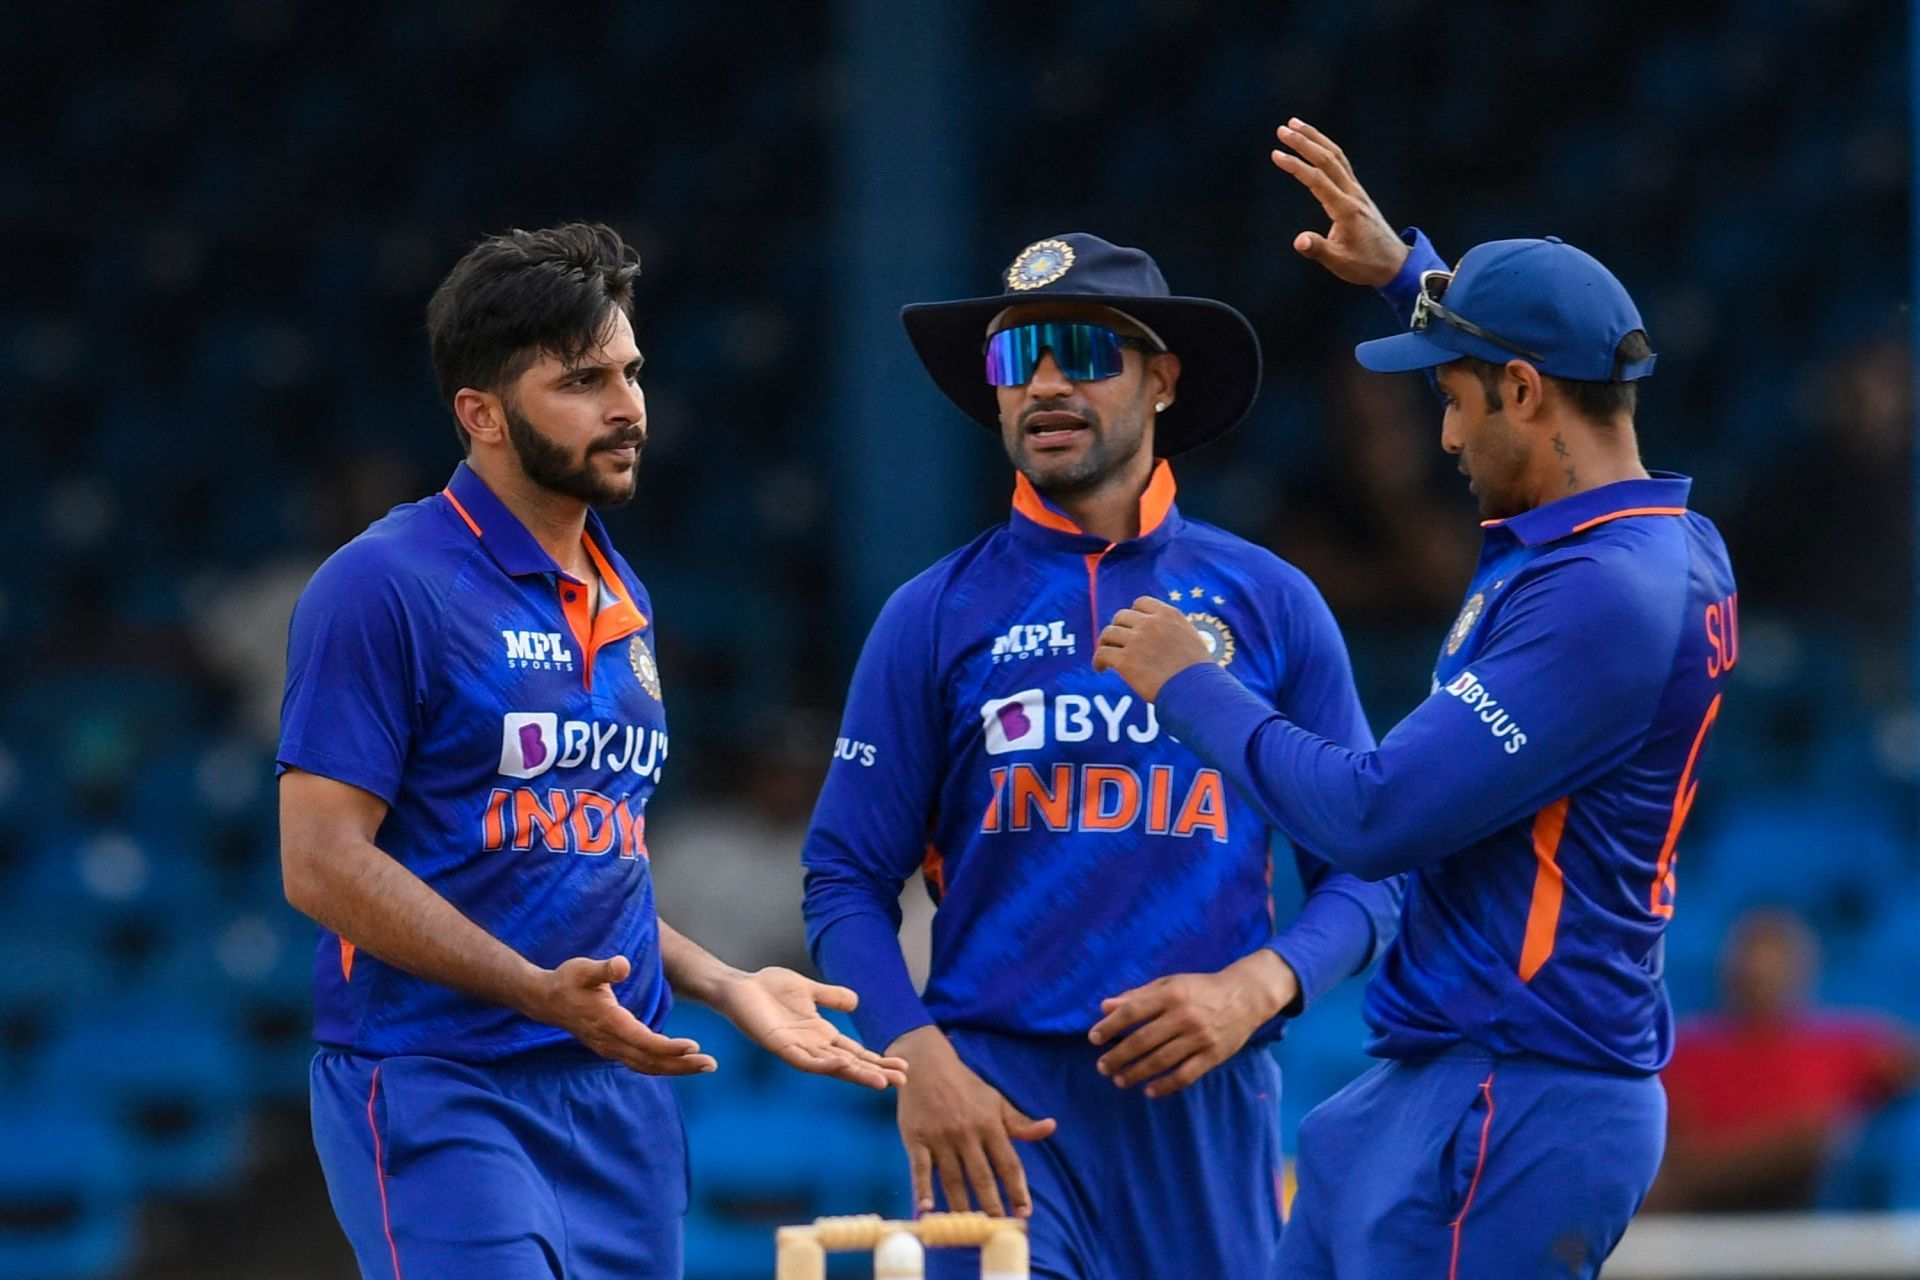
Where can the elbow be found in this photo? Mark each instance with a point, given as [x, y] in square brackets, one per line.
[300, 879]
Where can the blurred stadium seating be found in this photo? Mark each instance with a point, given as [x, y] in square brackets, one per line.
[224, 224]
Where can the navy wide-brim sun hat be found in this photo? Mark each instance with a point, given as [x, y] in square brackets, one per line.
[1219, 352]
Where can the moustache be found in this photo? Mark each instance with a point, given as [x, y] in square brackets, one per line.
[622, 440]
[1085, 417]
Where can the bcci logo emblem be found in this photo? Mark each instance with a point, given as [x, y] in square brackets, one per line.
[1040, 263]
[1469, 615]
[1217, 634]
[643, 667]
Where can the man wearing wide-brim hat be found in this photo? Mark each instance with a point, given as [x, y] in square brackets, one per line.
[1106, 970]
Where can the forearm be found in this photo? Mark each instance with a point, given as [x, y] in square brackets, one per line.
[862, 951]
[1331, 939]
[1313, 790]
[693, 971]
[371, 900]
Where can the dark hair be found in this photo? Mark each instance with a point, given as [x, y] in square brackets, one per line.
[1599, 402]
[523, 294]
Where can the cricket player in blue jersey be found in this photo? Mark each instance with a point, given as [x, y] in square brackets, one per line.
[472, 728]
[1534, 801]
[1107, 974]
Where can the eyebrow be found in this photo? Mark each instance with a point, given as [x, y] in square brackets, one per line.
[595, 366]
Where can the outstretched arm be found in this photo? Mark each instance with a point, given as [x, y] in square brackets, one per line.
[1558, 694]
[779, 1010]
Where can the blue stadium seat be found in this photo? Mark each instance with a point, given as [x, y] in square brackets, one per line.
[171, 1075]
[66, 1205]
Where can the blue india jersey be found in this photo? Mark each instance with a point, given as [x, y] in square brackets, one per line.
[1075, 848]
[443, 662]
[1535, 801]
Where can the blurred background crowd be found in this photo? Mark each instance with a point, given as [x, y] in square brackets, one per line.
[226, 219]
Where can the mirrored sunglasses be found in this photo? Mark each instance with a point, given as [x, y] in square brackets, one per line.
[1084, 352]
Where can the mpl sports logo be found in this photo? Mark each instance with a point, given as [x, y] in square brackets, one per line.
[537, 651]
[1034, 640]
[534, 742]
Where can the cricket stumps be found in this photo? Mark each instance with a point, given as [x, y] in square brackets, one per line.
[899, 1247]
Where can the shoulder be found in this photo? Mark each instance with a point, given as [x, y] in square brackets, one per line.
[1632, 585]
[1252, 562]
[406, 557]
[961, 571]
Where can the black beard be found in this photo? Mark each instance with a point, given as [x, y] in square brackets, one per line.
[548, 465]
[1104, 458]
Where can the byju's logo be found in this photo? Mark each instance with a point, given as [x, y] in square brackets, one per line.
[1467, 687]
[532, 742]
[538, 650]
[1033, 640]
[1015, 724]
[529, 742]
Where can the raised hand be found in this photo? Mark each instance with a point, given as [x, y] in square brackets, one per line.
[780, 1011]
[577, 997]
[1361, 247]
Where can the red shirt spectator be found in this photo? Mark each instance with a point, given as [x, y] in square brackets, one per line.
[1759, 1094]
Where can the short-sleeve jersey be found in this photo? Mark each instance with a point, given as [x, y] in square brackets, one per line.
[443, 662]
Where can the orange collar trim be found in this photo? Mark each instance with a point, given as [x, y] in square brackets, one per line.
[1585, 525]
[448, 495]
[611, 579]
[1155, 503]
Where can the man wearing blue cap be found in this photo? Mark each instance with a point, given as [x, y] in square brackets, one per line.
[1106, 967]
[1534, 802]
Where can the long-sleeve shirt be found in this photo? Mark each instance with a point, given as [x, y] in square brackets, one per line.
[1076, 850]
[1535, 801]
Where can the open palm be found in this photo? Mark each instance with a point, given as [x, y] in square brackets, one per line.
[779, 1010]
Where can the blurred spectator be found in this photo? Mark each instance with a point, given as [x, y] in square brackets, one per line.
[1793, 548]
[726, 867]
[1382, 541]
[1762, 1093]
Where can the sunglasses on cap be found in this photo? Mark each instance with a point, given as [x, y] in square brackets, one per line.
[1433, 287]
[1085, 352]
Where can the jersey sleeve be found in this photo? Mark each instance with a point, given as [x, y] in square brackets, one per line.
[869, 829]
[1564, 688]
[356, 683]
[1401, 292]
[1343, 921]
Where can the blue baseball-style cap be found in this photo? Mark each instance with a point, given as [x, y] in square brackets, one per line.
[1542, 301]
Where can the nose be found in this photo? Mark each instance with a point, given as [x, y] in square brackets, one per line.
[1048, 383]
[1450, 438]
[629, 407]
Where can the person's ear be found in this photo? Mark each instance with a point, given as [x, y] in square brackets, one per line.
[482, 414]
[1523, 389]
[1163, 376]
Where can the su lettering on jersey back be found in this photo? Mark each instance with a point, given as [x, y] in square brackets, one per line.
[1722, 622]
[1091, 797]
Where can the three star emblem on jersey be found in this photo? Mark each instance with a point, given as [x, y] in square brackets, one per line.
[1040, 263]
[1469, 614]
[1217, 634]
[643, 667]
